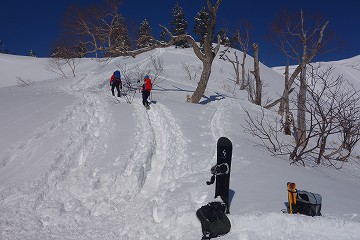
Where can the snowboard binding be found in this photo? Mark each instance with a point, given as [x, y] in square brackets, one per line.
[216, 170]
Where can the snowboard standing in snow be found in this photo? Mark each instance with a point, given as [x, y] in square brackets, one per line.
[221, 171]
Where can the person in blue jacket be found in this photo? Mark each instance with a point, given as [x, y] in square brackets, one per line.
[115, 82]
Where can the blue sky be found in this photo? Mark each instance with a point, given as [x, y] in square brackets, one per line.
[35, 25]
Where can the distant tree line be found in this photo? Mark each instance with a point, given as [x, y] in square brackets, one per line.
[101, 31]
[4, 50]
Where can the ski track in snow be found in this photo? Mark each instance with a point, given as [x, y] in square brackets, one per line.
[158, 161]
[58, 196]
[218, 123]
[73, 194]
[218, 120]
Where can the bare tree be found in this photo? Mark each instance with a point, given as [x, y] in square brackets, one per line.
[346, 113]
[64, 56]
[191, 70]
[256, 72]
[103, 32]
[235, 64]
[268, 131]
[335, 111]
[241, 40]
[206, 55]
[250, 86]
[100, 28]
[56, 65]
[156, 68]
[289, 118]
[132, 75]
[300, 43]
[333, 125]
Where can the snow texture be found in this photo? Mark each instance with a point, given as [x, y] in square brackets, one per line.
[76, 164]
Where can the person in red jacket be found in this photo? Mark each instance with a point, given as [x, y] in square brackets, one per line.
[115, 82]
[147, 87]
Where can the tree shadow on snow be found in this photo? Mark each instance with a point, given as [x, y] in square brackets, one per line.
[175, 89]
[212, 98]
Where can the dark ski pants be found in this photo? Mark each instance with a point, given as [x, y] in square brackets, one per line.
[145, 95]
[117, 86]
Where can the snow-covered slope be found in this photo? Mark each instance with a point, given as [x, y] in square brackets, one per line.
[77, 164]
[348, 68]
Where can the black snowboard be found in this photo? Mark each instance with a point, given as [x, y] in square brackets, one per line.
[224, 153]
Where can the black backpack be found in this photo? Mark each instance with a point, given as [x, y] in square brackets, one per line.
[213, 219]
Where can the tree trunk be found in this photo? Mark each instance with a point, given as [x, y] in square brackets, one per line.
[323, 140]
[242, 85]
[258, 90]
[288, 123]
[235, 64]
[201, 87]
[209, 53]
[284, 104]
[236, 68]
[301, 116]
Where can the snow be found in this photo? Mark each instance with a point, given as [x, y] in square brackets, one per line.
[77, 164]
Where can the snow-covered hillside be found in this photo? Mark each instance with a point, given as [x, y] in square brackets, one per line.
[348, 68]
[75, 163]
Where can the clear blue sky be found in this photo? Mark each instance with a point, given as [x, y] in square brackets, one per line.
[35, 24]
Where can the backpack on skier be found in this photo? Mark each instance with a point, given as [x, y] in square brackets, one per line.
[117, 74]
[147, 83]
[116, 78]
